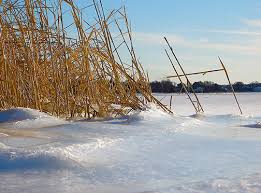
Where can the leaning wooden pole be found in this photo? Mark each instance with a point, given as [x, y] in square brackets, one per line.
[183, 85]
[197, 99]
[241, 112]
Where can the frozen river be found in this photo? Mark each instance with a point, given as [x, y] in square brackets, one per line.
[146, 152]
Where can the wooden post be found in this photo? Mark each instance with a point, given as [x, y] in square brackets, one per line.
[184, 87]
[172, 51]
[231, 86]
[170, 102]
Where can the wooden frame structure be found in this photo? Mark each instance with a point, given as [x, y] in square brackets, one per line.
[197, 108]
[196, 103]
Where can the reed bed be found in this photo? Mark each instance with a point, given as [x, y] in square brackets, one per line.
[55, 59]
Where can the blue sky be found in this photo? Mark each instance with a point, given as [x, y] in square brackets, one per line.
[200, 31]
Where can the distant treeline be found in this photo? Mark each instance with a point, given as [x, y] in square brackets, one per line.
[166, 86]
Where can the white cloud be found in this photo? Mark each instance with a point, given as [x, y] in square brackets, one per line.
[204, 40]
[242, 53]
[250, 47]
[157, 39]
[247, 48]
[252, 22]
[235, 32]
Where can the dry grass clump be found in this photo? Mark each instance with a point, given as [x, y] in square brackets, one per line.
[56, 59]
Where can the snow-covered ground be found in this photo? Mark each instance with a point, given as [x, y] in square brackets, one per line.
[147, 152]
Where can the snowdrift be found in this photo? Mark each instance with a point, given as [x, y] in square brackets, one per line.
[25, 118]
[15, 160]
[20, 114]
[148, 151]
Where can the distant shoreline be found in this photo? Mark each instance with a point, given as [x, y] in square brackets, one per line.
[166, 86]
[202, 93]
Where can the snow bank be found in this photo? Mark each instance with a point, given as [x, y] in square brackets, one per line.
[13, 160]
[3, 146]
[19, 114]
[148, 151]
[153, 113]
[54, 155]
[254, 126]
[28, 118]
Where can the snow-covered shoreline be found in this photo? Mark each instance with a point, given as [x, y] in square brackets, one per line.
[147, 151]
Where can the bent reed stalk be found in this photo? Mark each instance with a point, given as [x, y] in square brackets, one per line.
[56, 59]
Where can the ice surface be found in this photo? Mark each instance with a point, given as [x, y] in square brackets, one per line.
[147, 152]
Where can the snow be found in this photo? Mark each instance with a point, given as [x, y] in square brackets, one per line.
[216, 104]
[146, 152]
[25, 118]
[19, 114]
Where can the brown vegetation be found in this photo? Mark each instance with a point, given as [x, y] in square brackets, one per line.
[54, 59]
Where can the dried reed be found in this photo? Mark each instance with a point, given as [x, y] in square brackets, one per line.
[53, 59]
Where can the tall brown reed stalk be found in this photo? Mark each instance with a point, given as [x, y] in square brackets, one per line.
[55, 60]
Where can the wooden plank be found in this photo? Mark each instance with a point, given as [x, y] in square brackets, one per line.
[197, 73]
